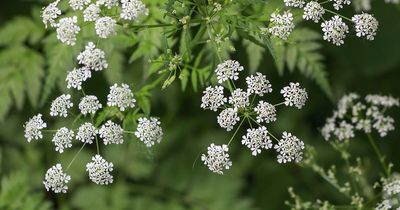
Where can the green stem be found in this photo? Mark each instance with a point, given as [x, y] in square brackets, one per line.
[237, 129]
[379, 154]
[76, 155]
[335, 13]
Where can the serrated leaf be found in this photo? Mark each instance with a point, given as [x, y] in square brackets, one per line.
[19, 30]
[254, 55]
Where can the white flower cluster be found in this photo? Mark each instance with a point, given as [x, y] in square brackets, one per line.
[390, 193]
[281, 24]
[149, 131]
[294, 3]
[63, 139]
[86, 133]
[33, 128]
[111, 133]
[313, 11]
[335, 30]
[239, 108]
[122, 97]
[92, 58]
[354, 114]
[76, 77]
[67, 28]
[89, 105]
[56, 180]
[228, 70]
[60, 105]
[99, 170]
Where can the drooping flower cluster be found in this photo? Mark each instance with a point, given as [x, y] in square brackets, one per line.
[242, 106]
[99, 170]
[56, 180]
[354, 114]
[67, 28]
[149, 131]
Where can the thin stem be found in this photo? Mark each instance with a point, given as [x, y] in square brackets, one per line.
[379, 154]
[49, 131]
[130, 132]
[76, 155]
[269, 133]
[335, 13]
[278, 104]
[237, 129]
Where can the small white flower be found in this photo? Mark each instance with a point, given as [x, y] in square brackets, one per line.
[289, 148]
[217, 158]
[108, 3]
[111, 133]
[67, 29]
[229, 69]
[364, 125]
[335, 30]
[56, 180]
[78, 4]
[258, 84]
[345, 103]
[121, 97]
[93, 58]
[89, 105]
[149, 131]
[239, 98]
[33, 128]
[294, 3]
[294, 95]
[99, 170]
[228, 118]
[91, 13]
[366, 25]
[380, 100]
[383, 125]
[257, 139]
[63, 139]
[329, 128]
[86, 133]
[392, 187]
[338, 4]
[281, 25]
[60, 106]
[76, 77]
[344, 131]
[266, 112]
[384, 205]
[132, 9]
[105, 27]
[213, 98]
[50, 13]
[313, 11]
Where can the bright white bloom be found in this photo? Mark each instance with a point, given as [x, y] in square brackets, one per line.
[289, 148]
[78, 4]
[108, 3]
[89, 105]
[345, 103]
[335, 30]
[258, 84]
[50, 13]
[366, 25]
[385, 101]
[63, 139]
[93, 58]
[99, 170]
[33, 128]
[105, 27]
[313, 11]
[86, 133]
[257, 139]
[364, 125]
[217, 158]
[56, 180]
[213, 98]
[266, 112]
[344, 131]
[239, 98]
[294, 3]
[281, 25]
[383, 125]
[67, 29]
[122, 97]
[228, 70]
[294, 95]
[338, 4]
[384, 205]
[132, 9]
[76, 77]
[91, 13]
[392, 187]
[228, 118]
[60, 106]
[149, 131]
[328, 128]
[111, 133]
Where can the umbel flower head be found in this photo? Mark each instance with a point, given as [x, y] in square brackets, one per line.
[60, 105]
[366, 25]
[290, 148]
[91, 13]
[121, 96]
[56, 180]
[239, 98]
[390, 193]
[111, 133]
[89, 105]
[213, 98]
[105, 27]
[78, 4]
[108, 3]
[281, 24]
[149, 131]
[257, 139]
[228, 70]
[294, 95]
[294, 3]
[86, 133]
[33, 128]
[63, 139]
[258, 84]
[50, 13]
[132, 9]
[217, 158]
[266, 112]
[228, 118]
[338, 4]
[313, 11]
[67, 29]
[99, 170]
[93, 58]
[335, 30]
[76, 77]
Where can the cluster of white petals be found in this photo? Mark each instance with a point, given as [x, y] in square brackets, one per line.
[121, 97]
[93, 58]
[258, 84]
[60, 105]
[56, 180]
[99, 170]
[91, 13]
[281, 24]
[213, 98]
[105, 27]
[76, 77]
[290, 148]
[108, 3]
[257, 139]
[335, 30]
[294, 95]
[338, 4]
[366, 25]
[294, 3]
[217, 158]
[86, 133]
[111, 133]
[313, 11]
[67, 29]
[266, 112]
[149, 131]
[63, 139]
[89, 105]
[228, 118]
[239, 98]
[78, 4]
[33, 128]
[228, 70]
[132, 9]
[50, 13]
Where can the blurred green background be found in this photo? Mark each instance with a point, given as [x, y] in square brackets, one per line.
[166, 178]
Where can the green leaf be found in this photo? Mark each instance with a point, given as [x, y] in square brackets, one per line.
[254, 54]
[184, 77]
[19, 30]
